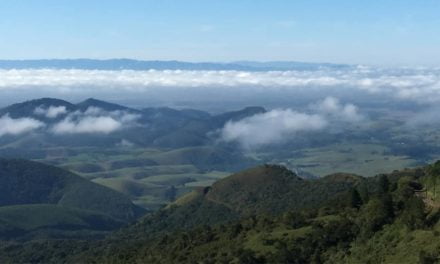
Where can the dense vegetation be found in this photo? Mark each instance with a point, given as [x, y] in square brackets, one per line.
[36, 197]
[269, 215]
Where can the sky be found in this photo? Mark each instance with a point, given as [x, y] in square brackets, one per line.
[375, 32]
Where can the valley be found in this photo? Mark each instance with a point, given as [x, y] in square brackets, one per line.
[155, 155]
[219, 132]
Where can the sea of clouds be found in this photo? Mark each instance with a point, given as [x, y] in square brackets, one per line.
[328, 94]
[420, 84]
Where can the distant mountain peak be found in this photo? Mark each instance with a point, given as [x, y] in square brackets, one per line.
[27, 108]
[92, 102]
[248, 111]
[131, 64]
[265, 174]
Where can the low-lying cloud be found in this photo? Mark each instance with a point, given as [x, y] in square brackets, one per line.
[416, 84]
[103, 124]
[10, 126]
[281, 124]
[333, 108]
[270, 127]
[50, 112]
[425, 118]
[94, 120]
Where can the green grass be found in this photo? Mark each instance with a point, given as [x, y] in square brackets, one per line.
[146, 184]
[362, 159]
[127, 186]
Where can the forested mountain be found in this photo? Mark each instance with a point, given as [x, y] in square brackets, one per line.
[61, 123]
[35, 197]
[269, 215]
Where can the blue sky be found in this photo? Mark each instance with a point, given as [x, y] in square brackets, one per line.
[386, 32]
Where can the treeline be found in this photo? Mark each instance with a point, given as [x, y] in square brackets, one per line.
[381, 220]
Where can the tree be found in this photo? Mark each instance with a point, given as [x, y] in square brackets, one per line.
[426, 258]
[414, 214]
[356, 200]
[434, 172]
[383, 184]
[293, 219]
[376, 213]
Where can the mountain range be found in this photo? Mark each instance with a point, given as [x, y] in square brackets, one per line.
[265, 214]
[129, 64]
[161, 126]
[96, 123]
[144, 153]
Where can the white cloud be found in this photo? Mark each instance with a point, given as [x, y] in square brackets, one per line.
[51, 112]
[17, 126]
[280, 124]
[92, 110]
[94, 120]
[332, 107]
[415, 84]
[270, 127]
[89, 124]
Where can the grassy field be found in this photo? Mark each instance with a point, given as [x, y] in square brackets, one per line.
[362, 159]
[150, 177]
[153, 177]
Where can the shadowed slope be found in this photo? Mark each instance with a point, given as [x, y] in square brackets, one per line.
[27, 182]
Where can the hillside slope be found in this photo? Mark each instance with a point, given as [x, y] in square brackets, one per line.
[382, 219]
[266, 189]
[42, 221]
[27, 182]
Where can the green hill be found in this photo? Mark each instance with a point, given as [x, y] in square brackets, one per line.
[267, 189]
[26, 222]
[205, 158]
[27, 182]
[377, 220]
[269, 215]
[274, 189]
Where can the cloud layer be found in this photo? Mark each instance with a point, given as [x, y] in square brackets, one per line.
[10, 126]
[50, 112]
[333, 108]
[281, 124]
[419, 84]
[270, 127]
[90, 124]
[91, 121]
[94, 120]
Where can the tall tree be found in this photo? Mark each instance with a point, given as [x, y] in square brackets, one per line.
[356, 200]
[434, 172]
